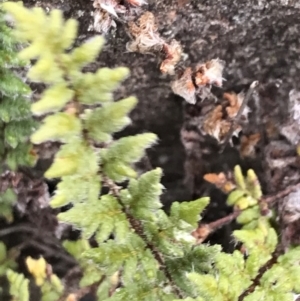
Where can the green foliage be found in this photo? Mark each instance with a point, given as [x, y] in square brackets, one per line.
[49, 284]
[52, 289]
[18, 286]
[16, 123]
[6, 262]
[141, 252]
[129, 225]
[232, 278]
[257, 235]
[111, 117]
[103, 217]
[7, 199]
[118, 157]
[91, 272]
[234, 273]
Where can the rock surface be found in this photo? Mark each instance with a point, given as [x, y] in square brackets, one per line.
[258, 40]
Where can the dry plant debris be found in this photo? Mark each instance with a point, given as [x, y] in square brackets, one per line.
[145, 33]
[31, 192]
[184, 86]
[248, 144]
[148, 40]
[218, 126]
[210, 73]
[173, 52]
[221, 181]
[106, 11]
[198, 82]
[218, 122]
[235, 101]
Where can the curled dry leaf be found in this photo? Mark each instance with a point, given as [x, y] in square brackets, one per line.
[144, 24]
[220, 181]
[210, 73]
[147, 38]
[173, 53]
[235, 101]
[203, 77]
[105, 11]
[185, 87]
[248, 143]
[103, 21]
[220, 121]
[216, 126]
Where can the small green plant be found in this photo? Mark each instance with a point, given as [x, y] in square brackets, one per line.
[135, 237]
[16, 122]
[50, 285]
[6, 262]
[19, 286]
[142, 253]
[256, 271]
[16, 125]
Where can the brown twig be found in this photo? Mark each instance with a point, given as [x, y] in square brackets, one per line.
[262, 270]
[204, 230]
[271, 199]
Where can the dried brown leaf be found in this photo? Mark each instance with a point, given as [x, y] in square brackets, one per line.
[105, 11]
[235, 102]
[147, 38]
[103, 21]
[185, 87]
[173, 53]
[210, 73]
[248, 143]
[220, 181]
[202, 77]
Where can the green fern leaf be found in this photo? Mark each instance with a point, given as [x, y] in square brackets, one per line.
[86, 53]
[59, 127]
[76, 188]
[53, 99]
[97, 88]
[102, 217]
[74, 158]
[188, 212]
[19, 286]
[110, 118]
